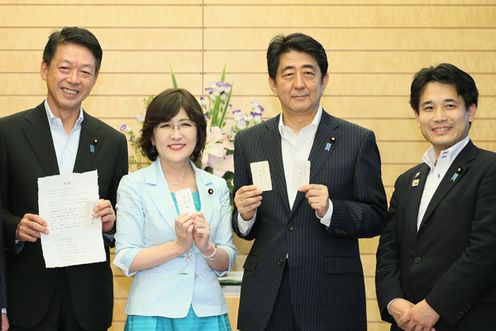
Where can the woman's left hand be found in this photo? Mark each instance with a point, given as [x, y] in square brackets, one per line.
[201, 232]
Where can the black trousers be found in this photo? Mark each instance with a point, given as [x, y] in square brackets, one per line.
[60, 316]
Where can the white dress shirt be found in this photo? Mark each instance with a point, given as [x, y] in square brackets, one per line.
[439, 168]
[294, 147]
[66, 145]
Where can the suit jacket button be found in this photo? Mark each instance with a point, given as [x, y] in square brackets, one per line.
[291, 227]
[418, 259]
[280, 262]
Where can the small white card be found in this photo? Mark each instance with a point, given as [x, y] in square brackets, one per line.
[185, 201]
[260, 172]
[301, 173]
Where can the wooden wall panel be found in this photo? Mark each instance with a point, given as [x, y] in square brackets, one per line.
[114, 16]
[347, 2]
[358, 61]
[374, 48]
[126, 39]
[348, 16]
[426, 39]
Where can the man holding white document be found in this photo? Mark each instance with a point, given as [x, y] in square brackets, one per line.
[59, 138]
[308, 185]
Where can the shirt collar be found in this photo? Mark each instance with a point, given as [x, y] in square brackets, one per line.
[53, 120]
[315, 122]
[450, 153]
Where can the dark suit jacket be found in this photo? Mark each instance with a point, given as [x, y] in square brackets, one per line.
[451, 261]
[324, 267]
[27, 153]
[3, 288]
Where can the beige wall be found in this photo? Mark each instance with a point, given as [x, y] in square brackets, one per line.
[374, 48]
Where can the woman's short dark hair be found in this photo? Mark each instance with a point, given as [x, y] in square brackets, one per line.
[444, 73]
[162, 109]
[73, 35]
[299, 42]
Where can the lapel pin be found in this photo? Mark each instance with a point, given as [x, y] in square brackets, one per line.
[415, 182]
[93, 145]
[456, 174]
[328, 145]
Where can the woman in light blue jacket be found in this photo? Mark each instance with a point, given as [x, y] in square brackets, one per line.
[173, 231]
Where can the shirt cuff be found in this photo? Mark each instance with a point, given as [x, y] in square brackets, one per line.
[389, 305]
[245, 226]
[326, 219]
[4, 310]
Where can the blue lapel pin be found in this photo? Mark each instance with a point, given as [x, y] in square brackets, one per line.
[456, 174]
[93, 145]
[328, 145]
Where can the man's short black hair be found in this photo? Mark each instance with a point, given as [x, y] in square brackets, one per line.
[73, 35]
[299, 42]
[444, 73]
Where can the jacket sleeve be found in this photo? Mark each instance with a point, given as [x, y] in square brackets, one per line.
[223, 234]
[242, 177]
[130, 227]
[363, 216]
[387, 276]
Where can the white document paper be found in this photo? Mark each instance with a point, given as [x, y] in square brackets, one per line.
[184, 199]
[301, 173]
[66, 203]
[260, 172]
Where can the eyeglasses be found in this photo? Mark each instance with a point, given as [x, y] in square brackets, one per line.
[182, 126]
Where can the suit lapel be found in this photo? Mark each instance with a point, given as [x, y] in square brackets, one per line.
[90, 145]
[326, 138]
[416, 188]
[207, 199]
[271, 141]
[458, 168]
[158, 191]
[37, 132]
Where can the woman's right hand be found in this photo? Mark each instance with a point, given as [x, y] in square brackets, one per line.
[184, 232]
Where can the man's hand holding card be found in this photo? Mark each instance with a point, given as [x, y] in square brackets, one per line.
[249, 197]
[317, 195]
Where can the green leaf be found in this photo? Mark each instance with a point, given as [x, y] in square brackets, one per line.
[223, 75]
[224, 111]
[215, 111]
[173, 77]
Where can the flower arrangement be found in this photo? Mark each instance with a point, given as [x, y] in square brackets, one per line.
[217, 157]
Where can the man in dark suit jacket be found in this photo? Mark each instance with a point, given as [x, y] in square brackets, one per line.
[304, 270]
[436, 261]
[58, 137]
